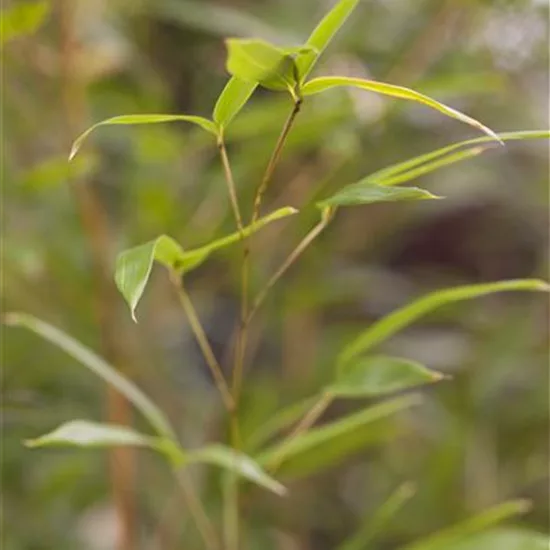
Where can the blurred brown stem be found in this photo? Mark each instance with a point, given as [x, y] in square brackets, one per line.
[95, 226]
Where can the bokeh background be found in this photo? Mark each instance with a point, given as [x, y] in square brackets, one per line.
[475, 441]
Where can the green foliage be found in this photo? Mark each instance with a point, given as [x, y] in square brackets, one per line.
[371, 376]
[232, 99]
[21, 19]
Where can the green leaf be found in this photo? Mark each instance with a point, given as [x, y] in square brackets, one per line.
[476, 524]
[238, 463]
[374, 523]
[392, 323]
[232, 99]
[364, 192]
[337, 439]
[98, 366]
[412, 168]
[323, 33]
[261, 62]
[193, 258]
[133, 267]
[204, 123]
[371, 376]
[502, 538]
[83, 433]
[22, 18]
[318, 85]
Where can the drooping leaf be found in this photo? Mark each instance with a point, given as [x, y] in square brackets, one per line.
[84, 433]
[364, 192]
[460, 532]
[193, 258]
[133, 267]
[323, 33]
[260, 62]
[232, 99]
[373, 524]
[378, 375]
[392, 323]
[322, 84]
[21, 18]
[236, 462]
[204, 123]
[405, 171]
[503, 538]
[98, 366]
[336, 440]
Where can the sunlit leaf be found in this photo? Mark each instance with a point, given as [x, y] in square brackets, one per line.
[364, 192]
[232, 99]
[322, 84]
[503, 538]
[21, 18]
[193, 258]
[98, 366]
[239, 463]
[261, 62]
[392, 323]
[323, 33]
[204, 123]
[370, 376]
[375, 522]
[133, 267]
[422, 164]
[460, 532]
[338, 439]
[83, 433]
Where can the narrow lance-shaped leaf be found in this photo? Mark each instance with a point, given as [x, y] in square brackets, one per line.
[379, 375]
[476, 524]
[392, 323]
[238, 463]
[84, 433]
[333, 432]
[323, 33]
[98, 366]
[503, 538]
[406, 170]
[232, 99]
[322, 84]
[133, 266]
[204, 123]
[364, 192]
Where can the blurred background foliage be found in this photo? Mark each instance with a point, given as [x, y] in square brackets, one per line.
[473, 442]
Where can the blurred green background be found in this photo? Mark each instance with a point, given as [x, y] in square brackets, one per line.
[474, 441]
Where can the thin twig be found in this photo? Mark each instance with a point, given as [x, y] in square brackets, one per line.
[230, 185]
[292, 257]
[203, 342]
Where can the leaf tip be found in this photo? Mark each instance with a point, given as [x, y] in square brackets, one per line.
[31, 443]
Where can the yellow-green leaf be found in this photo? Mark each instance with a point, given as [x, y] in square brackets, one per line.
[378, 375]
[322, 84]
[204, 123]
[21, 18]
[232, 99]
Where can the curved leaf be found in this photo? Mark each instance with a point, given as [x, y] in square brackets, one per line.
[503, 538]
[323, 33]
[336, 435]
[476, 524]
[392, 323]
[238, 463]
[232, 99]
[371, 376]
[204, 123]
[422, 164]
[133, 267]
[83, 433]
[98, 366]
[364, 192]
[318, 85]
